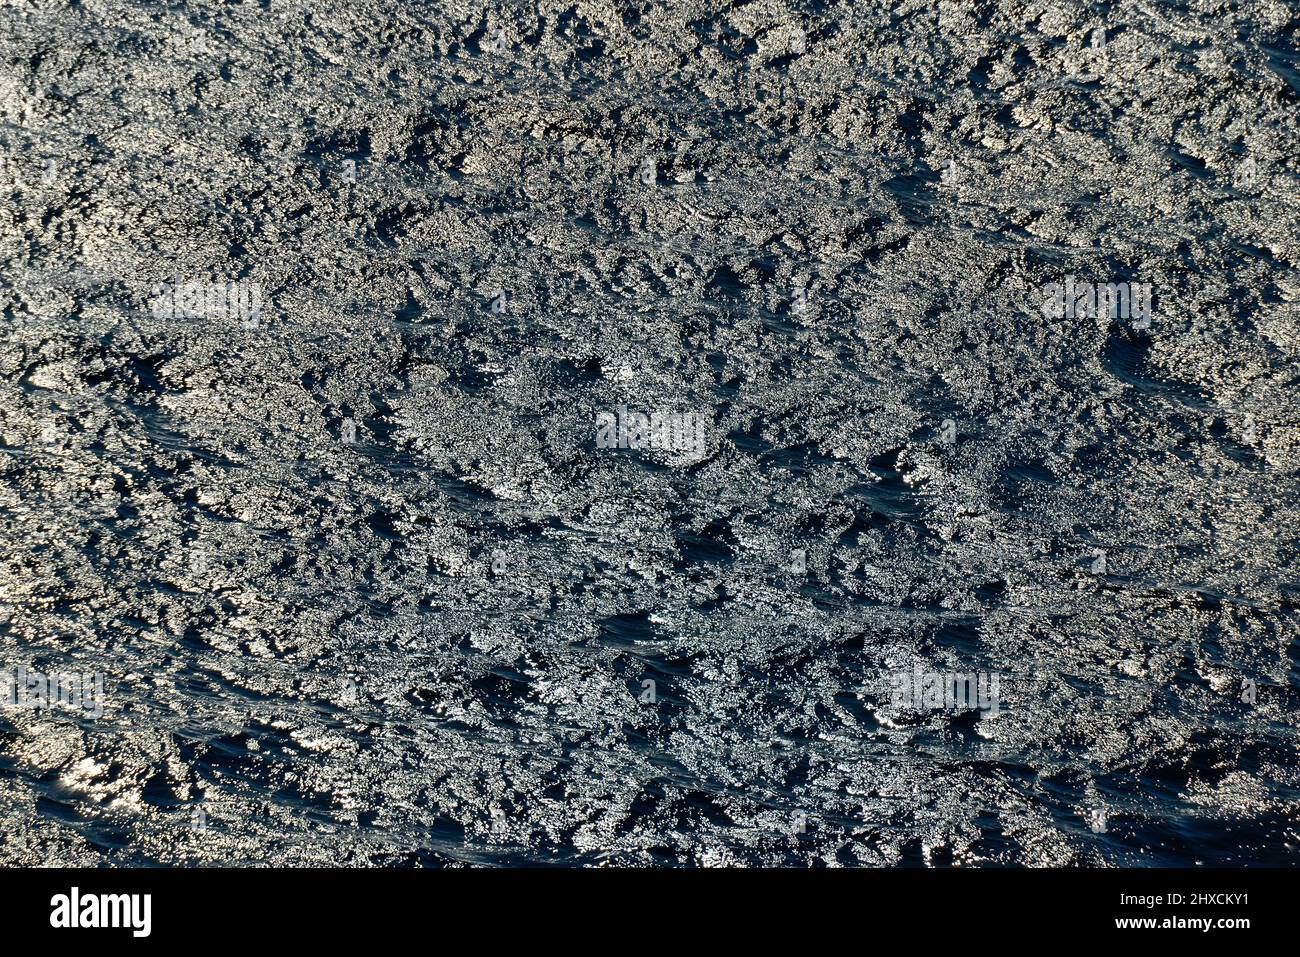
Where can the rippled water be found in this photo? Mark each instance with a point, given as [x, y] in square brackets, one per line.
[431, 644]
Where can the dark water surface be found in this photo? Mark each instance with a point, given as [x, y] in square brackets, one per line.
[431, 644]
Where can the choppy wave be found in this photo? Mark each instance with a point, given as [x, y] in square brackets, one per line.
[364, 588]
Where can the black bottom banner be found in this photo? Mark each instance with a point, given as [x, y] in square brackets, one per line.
[296, 907]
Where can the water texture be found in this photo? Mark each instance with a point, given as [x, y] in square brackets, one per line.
[362, 583]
